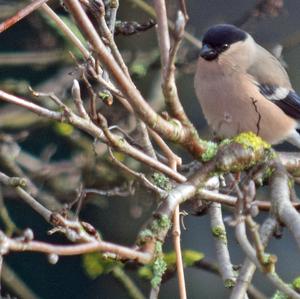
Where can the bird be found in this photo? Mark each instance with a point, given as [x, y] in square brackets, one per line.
[242, 87]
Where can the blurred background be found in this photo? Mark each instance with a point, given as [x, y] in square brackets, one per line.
[33, 53]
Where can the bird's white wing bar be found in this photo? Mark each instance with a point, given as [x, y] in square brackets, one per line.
[287, 100]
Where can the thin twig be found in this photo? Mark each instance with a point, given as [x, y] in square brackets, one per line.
[18, 184]
[22, 13]
[184, 9]
[108, 35]
[78, 101]
[177, 245]
[150, 11]
[8, 244]
[66, 30]
[170, 155]
[94, 131]
[140, 176]
[168, 129]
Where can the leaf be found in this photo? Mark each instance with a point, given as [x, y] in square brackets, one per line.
[95, 264]
[64, 129]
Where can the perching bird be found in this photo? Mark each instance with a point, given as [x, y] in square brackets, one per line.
[242, 87]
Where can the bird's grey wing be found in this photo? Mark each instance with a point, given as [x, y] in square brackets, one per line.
[288, 100]
[267, 69]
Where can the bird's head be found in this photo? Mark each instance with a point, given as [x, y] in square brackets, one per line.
[224, 39]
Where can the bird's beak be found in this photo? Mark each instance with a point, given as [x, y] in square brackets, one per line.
[208, 53]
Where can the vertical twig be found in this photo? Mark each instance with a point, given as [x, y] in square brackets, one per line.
[179, 262]
[184, 9]
[177, 244]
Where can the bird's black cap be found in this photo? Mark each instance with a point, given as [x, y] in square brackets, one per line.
[221, 34]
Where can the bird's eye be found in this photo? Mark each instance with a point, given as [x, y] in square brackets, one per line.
[224, 47]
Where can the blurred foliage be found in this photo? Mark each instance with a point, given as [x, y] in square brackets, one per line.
[190, 257]
[64, 129]
[96, 264]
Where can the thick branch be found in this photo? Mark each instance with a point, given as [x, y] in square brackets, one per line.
[280, 197]
[246, 272]
[220, 237]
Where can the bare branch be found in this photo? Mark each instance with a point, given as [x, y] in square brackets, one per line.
[282, 207]
[7, 245]
[220, 238]
[176, 133]
[18, 184]
[246, 272]
[93, 130]
[66, 30]
[22, 13]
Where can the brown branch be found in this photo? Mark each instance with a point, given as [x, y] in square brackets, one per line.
[22, 13]
[140, 176]
[66, 30]
[169, 154]
[18, 184]
[123, 252]
[169, 84]
[90, 128]
[172, 131]
[184, 9]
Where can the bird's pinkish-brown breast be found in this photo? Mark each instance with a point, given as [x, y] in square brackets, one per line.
[232, 103]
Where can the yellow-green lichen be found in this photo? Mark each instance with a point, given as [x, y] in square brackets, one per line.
[159, 265]
[219, 233]
[161, 181]
[291, 183]
[229, 283]
[161, 223]
[159, 268]
[190, 257]
[268, 173]
[245, 150]
[211, 149]
[144, 236]
[225, 142]
[249, 139]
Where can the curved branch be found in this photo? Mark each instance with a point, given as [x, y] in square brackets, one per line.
[281, 204]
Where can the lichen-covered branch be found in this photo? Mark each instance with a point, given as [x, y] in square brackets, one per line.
[220, 237]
